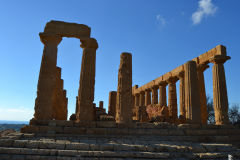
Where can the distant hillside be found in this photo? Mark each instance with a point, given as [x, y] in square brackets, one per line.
[16, 127]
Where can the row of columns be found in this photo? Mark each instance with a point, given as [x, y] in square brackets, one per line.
[193, 105]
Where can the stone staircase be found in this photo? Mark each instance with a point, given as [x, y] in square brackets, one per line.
[165, 142]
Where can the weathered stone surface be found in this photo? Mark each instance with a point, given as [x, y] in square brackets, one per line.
[162, 94]
[172, 99]
[67, 29]
[141, 114]
[112, 103]
[154, 95]
[182, 96]
[47, 78]
[192, 99]
[220, 97]
[124, 92]
[147, 97]
[87, 80]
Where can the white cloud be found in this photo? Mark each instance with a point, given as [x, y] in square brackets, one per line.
[161, 21]
[205, 8]
[16, 114]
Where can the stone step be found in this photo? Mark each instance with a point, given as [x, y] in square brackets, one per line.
[92, 145]
[26, 153]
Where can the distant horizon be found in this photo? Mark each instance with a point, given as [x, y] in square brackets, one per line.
[13, 122]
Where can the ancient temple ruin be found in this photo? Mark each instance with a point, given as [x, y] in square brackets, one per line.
[140, 124]
[128, 104]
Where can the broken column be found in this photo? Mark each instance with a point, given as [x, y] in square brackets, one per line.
[202, 93]
[112, 103]
[87, 80]
[192, 99]
[124, 91]
[47, 77]
[220, 97]
[172, 98]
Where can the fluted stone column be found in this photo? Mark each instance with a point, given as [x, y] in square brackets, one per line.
[87, 80]
[182, 94]
[172, 98]
[124, 92]
[202, 93]
[147, 97]
[112, 103]
[142, 98]
[154, 95]
[162, 94]
[220, 97]
[137, 99]
[47, 77]
[192, 99]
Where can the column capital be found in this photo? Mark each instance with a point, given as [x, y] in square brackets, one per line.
[202, 67]
[148, 90]
[163, 83]
[219, 59]
[47, 38]
[89, 43]
[137, 94]
[172, 80]
[154, 87]
[142, 92]
[180, 74]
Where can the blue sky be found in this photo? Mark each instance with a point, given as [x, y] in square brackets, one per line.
[161, 35]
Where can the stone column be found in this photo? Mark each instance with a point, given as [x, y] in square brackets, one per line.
[47, 77]
[192, 99]
[220, 97]
[124, 92]
[101, 104]
[137, 99]
[202, 93]
[142, 98]
[147, 97]
[172, 98]
[182, 95]
[154, 95]
[162, 94]
[112, 103]
[87, 80]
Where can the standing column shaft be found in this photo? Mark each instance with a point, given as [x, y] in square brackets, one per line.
[87, 80]
[147, 97]
[101, 104]
[47, 77]
[220, 97]
[154, 95]
[162, 94]
[142, 98]
[137, 99]
[172, 98]
[202, 93]
[112, 103]
[192, 99]
[124, 92]
[182, 95]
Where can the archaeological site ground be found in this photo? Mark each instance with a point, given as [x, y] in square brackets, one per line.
[142, 121]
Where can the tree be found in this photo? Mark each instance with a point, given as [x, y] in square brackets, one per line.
[234, 114]
[210, 110]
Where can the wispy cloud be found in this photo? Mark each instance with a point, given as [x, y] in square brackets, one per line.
[161, 21]
[17, 113]
[205, 8]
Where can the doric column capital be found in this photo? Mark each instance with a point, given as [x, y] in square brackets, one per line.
[154, 87]
[219, 59]
[202, 67]
[89, 43]
[47, 38]
[163, 83]
[172, 80]
[148, 90]
[142, 92]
